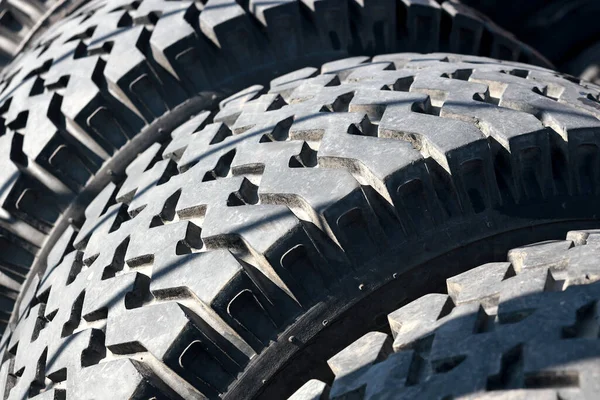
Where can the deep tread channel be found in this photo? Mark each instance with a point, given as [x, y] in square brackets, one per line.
[83, 91]
[526, 328]
[314, 193]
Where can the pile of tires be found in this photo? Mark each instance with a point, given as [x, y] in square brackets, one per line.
[305, 199]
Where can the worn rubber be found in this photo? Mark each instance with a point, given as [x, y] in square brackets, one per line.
[21, 19]
[527, 328]
[114, 68]
[224, 252]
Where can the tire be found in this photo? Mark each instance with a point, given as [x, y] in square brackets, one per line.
[522, 329]
[563, 31]
[117, 75]
[261, 238]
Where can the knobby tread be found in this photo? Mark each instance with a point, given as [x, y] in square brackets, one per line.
[521, 329]
[188, 269]
[20, 19]
[16, 18]
[95, 79]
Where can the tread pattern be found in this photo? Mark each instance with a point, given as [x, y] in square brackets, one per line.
[132, 298]
[96, 78]
[525, 328]
[17, 18]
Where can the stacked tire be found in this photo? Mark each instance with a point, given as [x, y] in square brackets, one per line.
[223, 200]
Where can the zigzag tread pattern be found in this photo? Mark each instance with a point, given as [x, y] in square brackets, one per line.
[218, 240]
[521, 329]
[19, 19]
[91, 82]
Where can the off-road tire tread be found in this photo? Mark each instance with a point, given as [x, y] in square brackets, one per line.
[410, 147]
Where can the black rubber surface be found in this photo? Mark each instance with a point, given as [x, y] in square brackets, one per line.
[21, 19]
[566, 32]
[527, 328]
[223, 253]
[89, 85]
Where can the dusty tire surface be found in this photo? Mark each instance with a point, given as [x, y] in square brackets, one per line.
[117, 75]
[264, 237]
[20, 19]
[526, 328]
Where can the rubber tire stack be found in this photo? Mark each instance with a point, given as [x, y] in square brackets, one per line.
[182, 245]
[115, 76]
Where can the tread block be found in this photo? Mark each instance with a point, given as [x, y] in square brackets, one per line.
[536, 343]
[375, 24]
[129, 76]
[329, 20]
[583, 237]
[312, 390]
[182, 136]
[228, 26]
[172, 346]
[467, 28]
[366, 351]
[94, 210]
[285, 84]
[128, 377]
[550, 254]
[179, 48]
[410, 323]
[481, 284]
[283, 24]
[422, 24]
